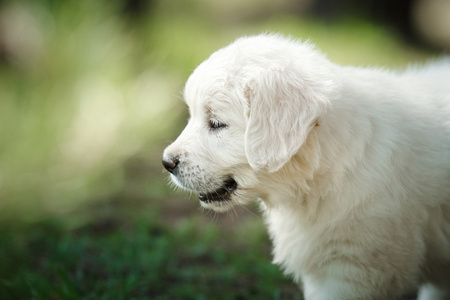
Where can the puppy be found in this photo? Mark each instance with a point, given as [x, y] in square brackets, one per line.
[351, 165]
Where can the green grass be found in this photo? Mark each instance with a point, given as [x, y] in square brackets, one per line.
[139, 259]
[89, 97]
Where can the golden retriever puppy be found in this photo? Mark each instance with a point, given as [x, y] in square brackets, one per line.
[351, 165]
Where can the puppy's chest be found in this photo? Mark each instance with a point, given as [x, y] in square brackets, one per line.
[298, 248]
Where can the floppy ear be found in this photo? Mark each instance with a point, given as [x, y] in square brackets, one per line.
[283, 108]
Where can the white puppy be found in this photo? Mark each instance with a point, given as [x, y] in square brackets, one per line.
[351, 165]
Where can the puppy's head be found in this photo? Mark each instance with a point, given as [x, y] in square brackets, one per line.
[252, 106]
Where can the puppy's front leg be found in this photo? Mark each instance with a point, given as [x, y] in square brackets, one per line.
[431, 292]
[338, 289]
[331, 290]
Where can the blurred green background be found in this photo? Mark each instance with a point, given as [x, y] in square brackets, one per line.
[90, 94]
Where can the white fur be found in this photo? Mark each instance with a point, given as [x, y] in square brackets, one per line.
[351, 165]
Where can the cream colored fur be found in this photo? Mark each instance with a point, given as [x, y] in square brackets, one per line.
[351, 165]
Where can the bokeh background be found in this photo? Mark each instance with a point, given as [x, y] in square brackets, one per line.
[91, 93]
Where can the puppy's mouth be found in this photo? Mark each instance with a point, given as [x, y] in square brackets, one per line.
[221, 194]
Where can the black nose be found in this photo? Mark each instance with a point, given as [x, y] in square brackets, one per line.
[170, 164]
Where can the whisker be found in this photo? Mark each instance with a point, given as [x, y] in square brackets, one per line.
[248, 210]
[234, 214]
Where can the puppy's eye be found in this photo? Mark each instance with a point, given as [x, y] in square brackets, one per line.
[215, 125]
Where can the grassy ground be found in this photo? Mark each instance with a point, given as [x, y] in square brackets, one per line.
[89, 98]
[108, 260]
